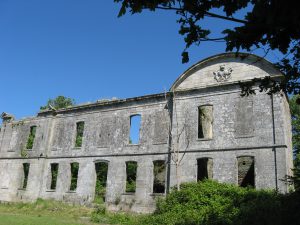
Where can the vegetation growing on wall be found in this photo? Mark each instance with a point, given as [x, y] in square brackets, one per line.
[101, 178]
[79, 134]
[31, 137]
[74, 176]
[131, 169]
[58, 103]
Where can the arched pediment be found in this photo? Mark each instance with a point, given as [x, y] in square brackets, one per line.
[225, 69]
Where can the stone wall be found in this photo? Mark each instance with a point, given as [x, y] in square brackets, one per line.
[257, 127]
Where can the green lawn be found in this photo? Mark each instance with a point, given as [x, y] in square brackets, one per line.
[20, 219]
[43, 213]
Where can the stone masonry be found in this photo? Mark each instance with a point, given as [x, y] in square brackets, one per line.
[242, 139]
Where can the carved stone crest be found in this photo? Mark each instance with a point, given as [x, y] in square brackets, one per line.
[223, 74]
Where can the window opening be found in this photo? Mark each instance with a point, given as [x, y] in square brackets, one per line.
[74, 175]
[159, 171]
[135, 123]
[131, 169]
[246, 176]
[31, 137]
[26, 167]
[205, 120]
[101, 169]
[204, 169]
[54, 173]
[79, 134]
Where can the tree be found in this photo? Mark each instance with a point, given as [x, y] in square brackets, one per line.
[273, 25]
[295, 111]
[178, 132]
[58, 103]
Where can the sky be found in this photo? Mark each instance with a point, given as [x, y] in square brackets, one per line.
[81, 49]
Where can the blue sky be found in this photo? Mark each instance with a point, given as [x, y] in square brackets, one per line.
[80, 49]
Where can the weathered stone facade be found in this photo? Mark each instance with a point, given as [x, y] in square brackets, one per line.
[209, 120]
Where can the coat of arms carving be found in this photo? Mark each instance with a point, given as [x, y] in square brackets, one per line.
[223, 74]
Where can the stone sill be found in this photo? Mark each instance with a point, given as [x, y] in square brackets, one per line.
[129, 193]
[132, 145]
[4, 188]
[204, 139]
[71, 192]
[50, 190]
[76, 148]
[158, 194]
[21, 189]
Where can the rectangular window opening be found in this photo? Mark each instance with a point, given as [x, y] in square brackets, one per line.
[204, 169]
[74, 176]
[54, 173]
[135, 124]
[79, 134]
[205, 121]
[131, 169]
[31, 137]
[26, 167]
[101, 169]
[246, 176]
[159, 172]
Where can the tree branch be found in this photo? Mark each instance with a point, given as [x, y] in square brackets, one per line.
[207, 14]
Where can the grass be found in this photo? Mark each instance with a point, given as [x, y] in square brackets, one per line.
[43, 212]
[48, 212]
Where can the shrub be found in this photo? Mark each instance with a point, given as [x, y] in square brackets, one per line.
[212, 203]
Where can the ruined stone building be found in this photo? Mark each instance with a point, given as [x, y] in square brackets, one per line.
[60, 154]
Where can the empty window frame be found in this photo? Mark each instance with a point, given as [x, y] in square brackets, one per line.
[246, 175]
[204, 169]
[159, 173]
[26, 167]
[205, 121]
[79, 134]
[131, 169]
[135, 124]
[101, 169]
[31, 137]
[74, 176]
[54, 174]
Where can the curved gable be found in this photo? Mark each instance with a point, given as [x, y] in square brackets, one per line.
[224, 69]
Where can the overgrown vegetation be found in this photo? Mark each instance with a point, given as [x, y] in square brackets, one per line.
[74, 176]
[131, 168]
[79, 134]
[295, 111]
[31, 137]
[58, 103]
[100, 189]
[212, 203]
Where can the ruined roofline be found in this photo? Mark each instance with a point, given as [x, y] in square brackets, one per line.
[160, 96]
[105, 102]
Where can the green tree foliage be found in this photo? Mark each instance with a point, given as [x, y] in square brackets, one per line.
[272, 25]
[212, 203]
[58, 103]
[295, 111]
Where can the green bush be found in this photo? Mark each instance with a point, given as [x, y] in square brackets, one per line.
[212, 203]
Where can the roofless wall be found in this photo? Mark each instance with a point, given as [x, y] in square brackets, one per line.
[65, 154]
